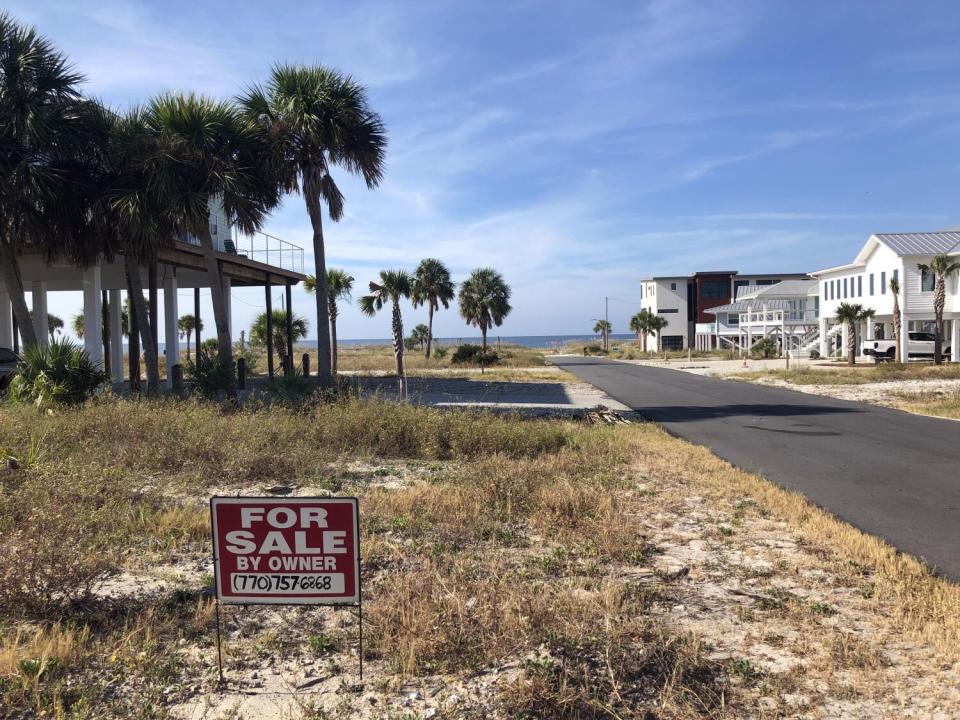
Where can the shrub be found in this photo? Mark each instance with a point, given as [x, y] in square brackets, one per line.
[61, 372]
[440, 353]
[592, 350]
[211, 345]
[291, 388]
[251, 355]
[468, 354]
[210, 375]
[765, 347]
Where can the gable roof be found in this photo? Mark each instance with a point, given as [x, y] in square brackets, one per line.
[925, 243]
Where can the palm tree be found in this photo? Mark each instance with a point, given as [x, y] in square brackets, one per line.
[897, 319]
[339, 287]
[419, 335]
[639, 325]
[656, 323]
[393, 285]
[54, 325]
[187, 325]
[258, 332]
[44, 174]
[432, 286]
[319, 119]
[484, 300]
[215, 155]
[603, 328]
[942, 266]
[852, 314]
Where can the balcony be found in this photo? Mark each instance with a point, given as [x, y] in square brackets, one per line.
[259, 246]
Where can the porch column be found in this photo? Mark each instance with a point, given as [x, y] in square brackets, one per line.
[904, 336]
[116, 336]
[870, 328]
[40, 326]
[954, 338]
[227, 300]
[92, 314]
[844, 335]
[171, 333]
[6, 320]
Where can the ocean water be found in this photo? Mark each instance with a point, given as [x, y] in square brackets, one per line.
[531, 341]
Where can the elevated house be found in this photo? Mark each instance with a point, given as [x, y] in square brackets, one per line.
[866, 281]
[688, 303]
[245, 260]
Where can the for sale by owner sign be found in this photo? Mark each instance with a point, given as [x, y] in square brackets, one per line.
[286, 551]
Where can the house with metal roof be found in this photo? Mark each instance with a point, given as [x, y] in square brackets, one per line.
[866, 281]
[786, 311]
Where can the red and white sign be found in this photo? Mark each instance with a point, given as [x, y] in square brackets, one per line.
[286, 551]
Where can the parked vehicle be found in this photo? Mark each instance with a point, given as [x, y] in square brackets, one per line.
[8, 366]
[919, 347]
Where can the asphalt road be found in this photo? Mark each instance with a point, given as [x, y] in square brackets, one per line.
[889, 473]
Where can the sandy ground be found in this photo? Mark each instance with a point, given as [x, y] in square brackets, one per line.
[890, 393]
[723, 368]
[792, 617]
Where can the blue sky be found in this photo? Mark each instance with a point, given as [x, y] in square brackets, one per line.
[580, 146]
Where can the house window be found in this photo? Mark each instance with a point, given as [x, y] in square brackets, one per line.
[845, 288]
[714, 289]
[927, 280]
[833, 289]
[859, 285]
[673, 286]
[667, 310]
[733, 318]
[871, 283]
[896, 274]
[883, 283]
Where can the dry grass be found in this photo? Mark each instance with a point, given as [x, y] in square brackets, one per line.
[380, 359]
[515, 543]
[858, 374]
[944, 404]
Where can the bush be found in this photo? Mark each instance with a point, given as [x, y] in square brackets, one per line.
[592, 350]
[61, 372]
[251, 355]
[291, 388]
[765, 347]
[440, 353]
[468, 354]
[211, 345]
[209, 374]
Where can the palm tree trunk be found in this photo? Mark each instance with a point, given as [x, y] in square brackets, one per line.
[139, 308]
[224, 344]
[10, 269]
[333, 338]
[189, 333]
[324, 355]
[851, 344]
[939, 298]
[429, 330]
[398, 345]
[483, 332]
[897, 326]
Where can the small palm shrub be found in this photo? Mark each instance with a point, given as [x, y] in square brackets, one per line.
[765, 347]
[210, 375]
[440, 353]
[60, 373]
[291, 388]
[468, 354]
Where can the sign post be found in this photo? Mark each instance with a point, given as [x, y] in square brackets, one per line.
[286, 551]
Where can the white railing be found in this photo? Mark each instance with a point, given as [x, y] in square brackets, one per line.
[259, 246]
[770, 317]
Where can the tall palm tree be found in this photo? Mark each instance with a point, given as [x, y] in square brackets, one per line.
[339, 287]
[319, 118]
[393, 285]
[897, 319]
[215, 155]
[484, 300]
[44, 177]
[603, 328]
[258, 332]
[187, 325]
[942, 266]
[419, 335]
[852, 314]
[432, 287]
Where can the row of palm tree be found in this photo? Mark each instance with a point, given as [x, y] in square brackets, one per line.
[78, 180]
[646, 323]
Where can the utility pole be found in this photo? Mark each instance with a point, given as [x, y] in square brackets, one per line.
[606, 326]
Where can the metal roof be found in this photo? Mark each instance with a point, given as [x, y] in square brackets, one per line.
[925, 243]
[783, 288]
[757, 305]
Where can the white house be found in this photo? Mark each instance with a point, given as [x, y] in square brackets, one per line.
[866, 281]
[667, 297]
[257, 260]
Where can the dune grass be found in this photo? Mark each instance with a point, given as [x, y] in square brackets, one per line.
[860, 374]
[511, 543]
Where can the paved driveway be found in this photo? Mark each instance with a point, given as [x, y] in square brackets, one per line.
[890, 473]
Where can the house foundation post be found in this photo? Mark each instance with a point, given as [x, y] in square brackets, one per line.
[40, 326]
[92, 314]
[171, 333]
[116, 336]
